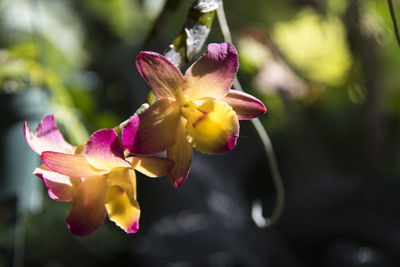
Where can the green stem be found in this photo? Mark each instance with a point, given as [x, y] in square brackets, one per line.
[141, 109]
[262, 133]
[194, 33]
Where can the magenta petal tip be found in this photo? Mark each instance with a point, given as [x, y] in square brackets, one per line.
[178, 182]
[134, 228]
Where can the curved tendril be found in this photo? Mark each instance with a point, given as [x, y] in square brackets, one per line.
[256, 212]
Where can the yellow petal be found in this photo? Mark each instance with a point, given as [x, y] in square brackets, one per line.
[181, 153]
[212, 127]
[121, 210]
[151, 167]
[124, 178]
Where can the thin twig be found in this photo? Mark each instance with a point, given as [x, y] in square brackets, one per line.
[40, 45]
[276, 177]
[169, 7]
[393, 16]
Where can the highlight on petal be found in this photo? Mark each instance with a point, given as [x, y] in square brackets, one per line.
[212, 75]
[87, 210]
[124, 178]
[181, 153]
[164, 78]
[213, 127]
[121, 204]
[122, 210]
[59, 187]
[47, 137]
[154, 130]
[246, 106]
[104, 151]
[151, 167]
[75, 165]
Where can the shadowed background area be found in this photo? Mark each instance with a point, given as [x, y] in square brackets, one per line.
[328, 73]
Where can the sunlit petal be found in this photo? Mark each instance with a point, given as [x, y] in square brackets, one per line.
[154, 130]
[213, 127]
[164, 78]
[212, 75]
[75, 165]
[104, 151]
[121, 203]
[151, 167]
[122, 210]
[246, 106]
[124, 178]
[181, 153]
[87, 210]
[47, 137]
[59, 187]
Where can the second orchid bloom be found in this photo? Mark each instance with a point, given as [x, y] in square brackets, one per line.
[95, 177]
[197, 109]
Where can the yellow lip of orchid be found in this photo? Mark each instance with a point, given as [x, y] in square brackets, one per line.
[197, 109]
[98, 182]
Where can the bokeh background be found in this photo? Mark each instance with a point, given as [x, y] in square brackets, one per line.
[328, 72]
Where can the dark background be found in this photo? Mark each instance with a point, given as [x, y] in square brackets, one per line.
[329, 75]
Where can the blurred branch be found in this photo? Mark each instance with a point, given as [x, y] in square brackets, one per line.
[62, 104]
[365, 51]
[276, 177]
[393, 16]
[194, 33]
[169, 6]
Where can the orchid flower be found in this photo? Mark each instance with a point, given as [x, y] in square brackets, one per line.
[95, 177]
[197, 109]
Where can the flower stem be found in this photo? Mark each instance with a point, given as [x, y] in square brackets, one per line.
[141, 109]
[194, 33]
[262, 133]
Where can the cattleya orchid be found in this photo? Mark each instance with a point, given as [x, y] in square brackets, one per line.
[95, 177]
[196, 109]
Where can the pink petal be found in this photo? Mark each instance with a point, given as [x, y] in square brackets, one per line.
[246, 106]
[212, 75]
[154, 130]
[151, 167]
[104, 151]
[181, 153]
[59, 187]
[75, 165]
[47, 137]
[88, 210]
[164, 78]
